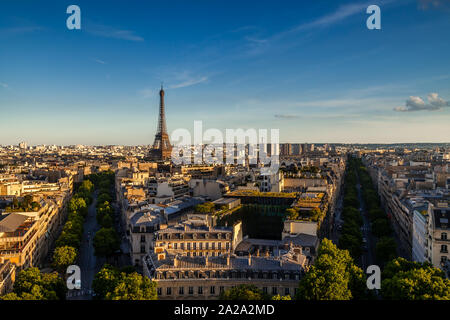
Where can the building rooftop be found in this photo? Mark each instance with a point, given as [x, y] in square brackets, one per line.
[12, 222]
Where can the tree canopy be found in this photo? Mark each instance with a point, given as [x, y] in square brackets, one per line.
[64, 257]
[408, 280]
[106, 242]
[113, 284]
[243, 292]
[334, 276]
[31, 284]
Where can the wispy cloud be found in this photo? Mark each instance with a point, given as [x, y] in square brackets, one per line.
[110, 32]
[185, 80]
[99, 61]
[4, 85]
[259, 45]
[414, 103]
[286, 116]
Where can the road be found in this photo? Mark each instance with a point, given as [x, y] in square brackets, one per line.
[337, 221]
[367, 258]
[87, 262]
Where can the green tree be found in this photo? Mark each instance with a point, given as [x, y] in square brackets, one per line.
[31, 284]
[133, 287]
[385, 250]
[207, 207]
[78, 205]
[68, 239]
[102, 198]
[279, 297]
[105, 281]
[243, 292]
[112, 284]
[352, 243]
[64, 257]
[406, 280]
[381, 227]
[86, 186]
[292, 214]
[105, 242]
[332, 277]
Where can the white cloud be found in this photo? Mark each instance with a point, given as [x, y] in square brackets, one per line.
[110, 32]
[4, 85]
[418, 104]
[189, 82]
[99, 61]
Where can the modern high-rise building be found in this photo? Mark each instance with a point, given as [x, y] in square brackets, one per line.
[162, 149]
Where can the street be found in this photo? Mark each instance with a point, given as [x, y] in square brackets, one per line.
[87, 259]
[367, 258]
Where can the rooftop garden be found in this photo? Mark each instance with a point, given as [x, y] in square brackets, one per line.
[314, 215]
[253, 193]
[25, 205]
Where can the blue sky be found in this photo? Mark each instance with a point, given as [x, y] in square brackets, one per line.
[309, 68]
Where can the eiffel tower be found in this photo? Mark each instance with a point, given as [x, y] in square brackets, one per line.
[162, 148]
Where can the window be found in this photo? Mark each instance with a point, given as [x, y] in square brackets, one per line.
[200, 290]
[181, 290]
[286, 291]
[189, 246]
[212, 290]
[191, 290]
[169, 291]
[221, 289]
[200, 246]
[213, 245]
[444, 248]
[182, 246]
[195, 245]
[159, 291]
[228, 246]
[274, 290]
[295, 291]
[207, 245]
[219, 246]
[143, 249]
[175, 245]
[443, 236]
[265, 290]
[443, 259]
[142, 238]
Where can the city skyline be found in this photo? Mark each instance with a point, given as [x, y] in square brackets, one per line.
[314, 71]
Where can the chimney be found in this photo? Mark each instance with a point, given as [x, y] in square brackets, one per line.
[249, 259]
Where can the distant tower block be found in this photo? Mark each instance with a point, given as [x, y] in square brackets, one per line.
[162, 148]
